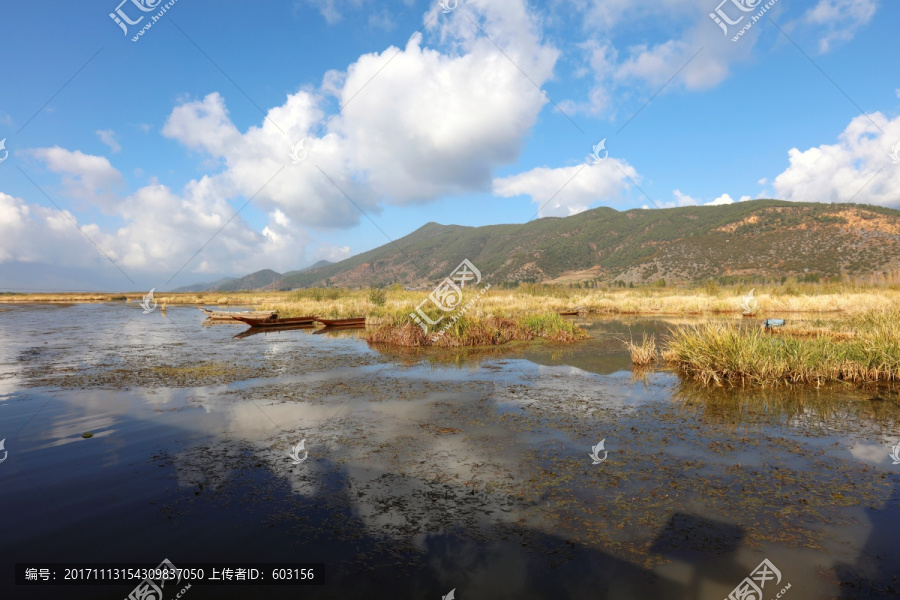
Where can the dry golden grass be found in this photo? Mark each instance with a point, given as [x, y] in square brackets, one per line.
[644, 352]
[773, 301]
[473, 331]
[863, 348]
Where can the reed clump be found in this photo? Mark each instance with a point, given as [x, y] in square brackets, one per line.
[861, 349]
[644, 352]
[471, 331]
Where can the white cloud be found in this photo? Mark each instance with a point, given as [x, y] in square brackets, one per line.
[421, 129]
[684, 199]
[33, 233]
[567, 191]
[108, 137]
[697, 50]
[280, 218]
[331, 10]
[857, 168]
[156, 229]
[429, 123]
[204, 125]
[383, 20]
[85, 176]
[658, 64]
[839, 19]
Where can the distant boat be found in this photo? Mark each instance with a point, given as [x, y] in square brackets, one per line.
[568, 313]
[770, 323]
[226, 315]
[274, 321]
[355, 322]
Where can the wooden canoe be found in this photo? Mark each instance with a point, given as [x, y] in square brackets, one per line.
[274, 321]
[225, 315]
[568, 313]
[355, 322]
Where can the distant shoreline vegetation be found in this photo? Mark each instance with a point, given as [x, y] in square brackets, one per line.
[853, 343]
[783, 295]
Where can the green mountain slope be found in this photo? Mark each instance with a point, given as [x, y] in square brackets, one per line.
[765, 238]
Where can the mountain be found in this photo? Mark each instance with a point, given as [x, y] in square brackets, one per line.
[202, 287]
[253, 281]
[258, 280]
[318, 265]
[754, 239]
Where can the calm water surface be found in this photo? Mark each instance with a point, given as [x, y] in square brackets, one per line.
[429, 471]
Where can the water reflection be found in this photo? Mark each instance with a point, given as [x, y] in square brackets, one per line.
[440, 469]
[834, 407]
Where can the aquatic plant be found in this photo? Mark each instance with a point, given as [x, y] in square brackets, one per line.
[644, 352]
[478, 331]
[865, 348]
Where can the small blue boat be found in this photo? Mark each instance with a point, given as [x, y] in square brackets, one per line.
[770, 323]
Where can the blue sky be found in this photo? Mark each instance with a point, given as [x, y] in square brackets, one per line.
[473, 116]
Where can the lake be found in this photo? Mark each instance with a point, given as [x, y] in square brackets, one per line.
[424, 472]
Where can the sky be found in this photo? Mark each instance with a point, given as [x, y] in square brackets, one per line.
[157, 143]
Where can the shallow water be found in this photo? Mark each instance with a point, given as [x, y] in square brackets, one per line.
[430, 471]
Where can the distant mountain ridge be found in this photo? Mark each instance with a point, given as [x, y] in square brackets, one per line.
[762, 238]
[253, 281]
[202, 287]
[758, 238]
